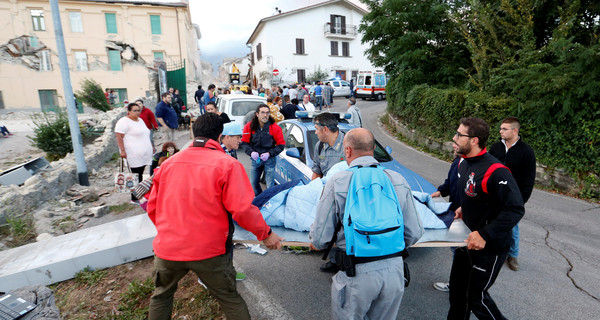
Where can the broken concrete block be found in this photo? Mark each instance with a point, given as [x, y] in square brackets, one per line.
[99, 211]
[90, 197]
[43, 237]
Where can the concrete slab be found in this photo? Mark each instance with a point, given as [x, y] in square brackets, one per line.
[60, 258]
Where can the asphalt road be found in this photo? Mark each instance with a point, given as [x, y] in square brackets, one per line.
[559, 259]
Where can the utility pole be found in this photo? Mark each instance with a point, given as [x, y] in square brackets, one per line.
[82, 173]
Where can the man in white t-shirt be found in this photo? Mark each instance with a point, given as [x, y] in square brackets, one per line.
[293, 92]
[306, 104]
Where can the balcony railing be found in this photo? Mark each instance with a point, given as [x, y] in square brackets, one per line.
[340, 30]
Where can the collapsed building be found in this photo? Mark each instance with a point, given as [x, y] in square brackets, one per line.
[119, 44]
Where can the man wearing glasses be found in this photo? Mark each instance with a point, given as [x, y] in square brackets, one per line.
[520, 159]
[262, 140]
[491, 206]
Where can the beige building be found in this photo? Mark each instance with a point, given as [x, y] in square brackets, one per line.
[116, 43]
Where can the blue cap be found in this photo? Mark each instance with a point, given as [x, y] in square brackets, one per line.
[232, 129]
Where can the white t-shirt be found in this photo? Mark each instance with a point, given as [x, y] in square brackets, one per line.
[293, 93]
[136, 140]
[308, 107]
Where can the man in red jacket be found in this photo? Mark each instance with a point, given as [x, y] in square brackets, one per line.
[262, 140]
[195, 197]
[149, 119]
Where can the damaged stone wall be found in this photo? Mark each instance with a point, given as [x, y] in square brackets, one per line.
[25, 50]
[128, 52]
[62, 175]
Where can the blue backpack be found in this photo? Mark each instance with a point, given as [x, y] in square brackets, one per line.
[373, 221]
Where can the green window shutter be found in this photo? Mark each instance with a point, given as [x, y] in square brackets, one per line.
[114, 58]
[155, 24]
[159, 56]
[111, 22]
[33, 42]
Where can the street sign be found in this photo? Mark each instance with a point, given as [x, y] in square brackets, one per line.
[275, 72]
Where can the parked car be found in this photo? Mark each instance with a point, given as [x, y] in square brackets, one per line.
[237, 106]
[295, 161]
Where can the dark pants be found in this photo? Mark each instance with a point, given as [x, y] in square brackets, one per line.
[473, 274]
[216, 273]
[140, 172]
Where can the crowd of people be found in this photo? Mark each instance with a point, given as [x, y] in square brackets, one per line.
[487, 191]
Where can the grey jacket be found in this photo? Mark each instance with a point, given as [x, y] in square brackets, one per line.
[356, 116]
[330, 208]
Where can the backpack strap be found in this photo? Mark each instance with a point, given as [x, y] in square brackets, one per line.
[338, 227]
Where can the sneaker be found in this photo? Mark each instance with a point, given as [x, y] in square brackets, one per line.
[513, 264]
[442, 286]
[136, 202]
[202, 283]
[240, 276]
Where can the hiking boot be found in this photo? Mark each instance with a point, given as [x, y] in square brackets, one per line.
[513, 264]
[240, 276]
[329, 267]
[442, 286]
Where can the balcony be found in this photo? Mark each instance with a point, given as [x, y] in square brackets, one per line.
[343, 31]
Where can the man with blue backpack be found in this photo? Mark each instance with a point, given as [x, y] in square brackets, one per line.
[368, 212]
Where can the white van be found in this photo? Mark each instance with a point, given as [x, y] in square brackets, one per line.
[371, 84]
[237, 106]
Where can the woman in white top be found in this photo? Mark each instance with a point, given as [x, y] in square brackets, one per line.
[133, 139]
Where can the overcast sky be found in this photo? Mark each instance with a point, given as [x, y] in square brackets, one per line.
[226, 25]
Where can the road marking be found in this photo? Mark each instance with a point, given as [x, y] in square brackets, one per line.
[262, 301]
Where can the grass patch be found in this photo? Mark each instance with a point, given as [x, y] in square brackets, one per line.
[21, 229]
[89, 277]
[134, 302]
[124, 293]
[120, 208]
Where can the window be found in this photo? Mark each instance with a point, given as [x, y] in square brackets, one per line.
[33, 42]
[334, 48]
[296, 140]
[346, 49]
[81, 61]
[337, 24]
[121, 94]
[299, 46]
[76, 24]
[258, 52]
[301, 75]
[155, 24]
[45, 63]
[48, 100]
[114, 59]
[37, 17]
[159, 55]
[111, 22]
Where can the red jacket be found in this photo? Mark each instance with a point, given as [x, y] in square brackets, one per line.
[192, 196]
[148, 116]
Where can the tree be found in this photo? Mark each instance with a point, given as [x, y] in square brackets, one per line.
[417, 42]
[317, 75]
[92, 95]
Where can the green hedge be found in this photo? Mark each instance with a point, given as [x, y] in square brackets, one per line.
[567, 142]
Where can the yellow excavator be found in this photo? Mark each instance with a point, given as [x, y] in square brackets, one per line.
[234, 79]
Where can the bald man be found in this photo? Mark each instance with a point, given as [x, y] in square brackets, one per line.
[376, 290]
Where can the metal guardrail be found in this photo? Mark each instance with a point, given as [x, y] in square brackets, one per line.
[346, 30]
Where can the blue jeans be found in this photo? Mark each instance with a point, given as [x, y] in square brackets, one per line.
[319, 102]
[256, 170]
[514, 245]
